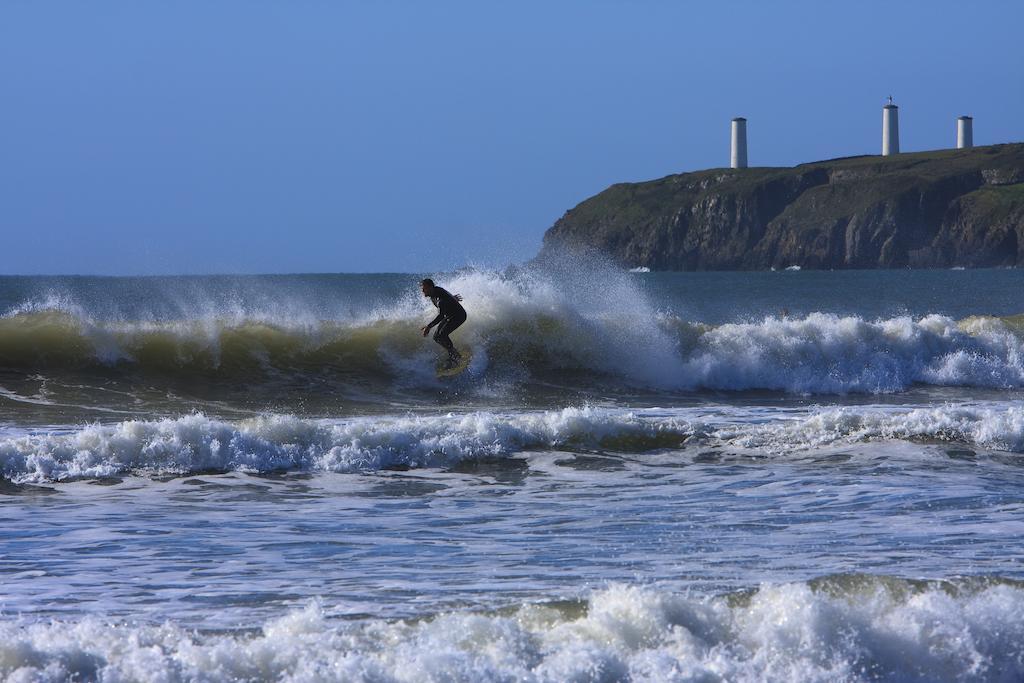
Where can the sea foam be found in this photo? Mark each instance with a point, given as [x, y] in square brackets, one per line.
[825, 353]
[196, 443]
[269, 443]
[846, 628]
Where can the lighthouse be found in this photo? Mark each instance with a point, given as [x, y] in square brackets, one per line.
[738, 158]
[890, 129]
[964, 132]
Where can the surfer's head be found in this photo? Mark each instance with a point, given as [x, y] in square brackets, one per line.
[427, 285]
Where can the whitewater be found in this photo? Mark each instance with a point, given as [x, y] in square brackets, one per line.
[787, 476]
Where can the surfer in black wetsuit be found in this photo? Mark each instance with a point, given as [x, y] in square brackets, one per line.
[450, 315]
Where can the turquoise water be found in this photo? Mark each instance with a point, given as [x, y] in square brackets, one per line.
[721, 476]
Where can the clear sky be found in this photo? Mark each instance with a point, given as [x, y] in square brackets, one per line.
[299, 136]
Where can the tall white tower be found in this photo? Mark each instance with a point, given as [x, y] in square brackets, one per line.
[890, 129]
[964, 132]
[738, 158]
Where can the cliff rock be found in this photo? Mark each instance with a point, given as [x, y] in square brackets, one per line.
[923, 210]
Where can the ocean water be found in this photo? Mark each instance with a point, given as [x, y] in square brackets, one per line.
[790, 476]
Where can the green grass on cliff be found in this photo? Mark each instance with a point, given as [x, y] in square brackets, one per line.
[997, 202]
[943, 161]
[865, 178]
[933, 163]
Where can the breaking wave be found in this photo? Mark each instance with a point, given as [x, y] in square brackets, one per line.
[527, 327]
[585, 325]
[838, 628]
[279, 443]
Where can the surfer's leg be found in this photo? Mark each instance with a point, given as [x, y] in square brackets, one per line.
[447, 326]
[441, 337]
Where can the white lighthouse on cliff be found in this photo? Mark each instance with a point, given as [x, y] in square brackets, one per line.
[964, 132]
[890, 129]
[738, 158]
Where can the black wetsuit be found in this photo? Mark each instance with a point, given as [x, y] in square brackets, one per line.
[450, 315]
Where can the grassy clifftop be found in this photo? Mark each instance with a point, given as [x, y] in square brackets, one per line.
[927, 209]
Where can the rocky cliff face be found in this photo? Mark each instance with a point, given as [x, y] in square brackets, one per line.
[924, 210]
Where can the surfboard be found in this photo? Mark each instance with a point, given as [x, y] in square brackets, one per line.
[446, 370]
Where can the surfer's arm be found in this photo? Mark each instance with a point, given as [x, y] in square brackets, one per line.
[433, 322]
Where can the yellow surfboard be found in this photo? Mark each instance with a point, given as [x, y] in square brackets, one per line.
[446, 370]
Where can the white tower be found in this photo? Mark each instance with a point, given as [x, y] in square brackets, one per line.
[964, 132]
[738, 159]
[890, 129]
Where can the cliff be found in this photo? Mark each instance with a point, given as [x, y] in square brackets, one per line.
[923, 210]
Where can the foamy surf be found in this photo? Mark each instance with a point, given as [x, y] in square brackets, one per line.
[196, 443]
[281, 443]
[580, 328]
[842, 628]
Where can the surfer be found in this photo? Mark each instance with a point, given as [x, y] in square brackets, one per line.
[450, 315]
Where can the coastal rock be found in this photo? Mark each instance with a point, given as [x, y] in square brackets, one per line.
[925, 210]
[1003, 176]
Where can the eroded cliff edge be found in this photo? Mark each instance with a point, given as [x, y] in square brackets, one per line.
[923, 210]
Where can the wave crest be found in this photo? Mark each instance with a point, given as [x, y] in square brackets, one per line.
[279, 443]
[842, 628]
[195, 443]
[532, 329]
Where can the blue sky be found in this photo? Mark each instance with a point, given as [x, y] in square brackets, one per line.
[301, 136]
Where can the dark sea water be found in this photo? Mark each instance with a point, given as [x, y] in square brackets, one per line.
[787, 476]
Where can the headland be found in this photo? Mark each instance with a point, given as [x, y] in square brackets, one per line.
[937, 209]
